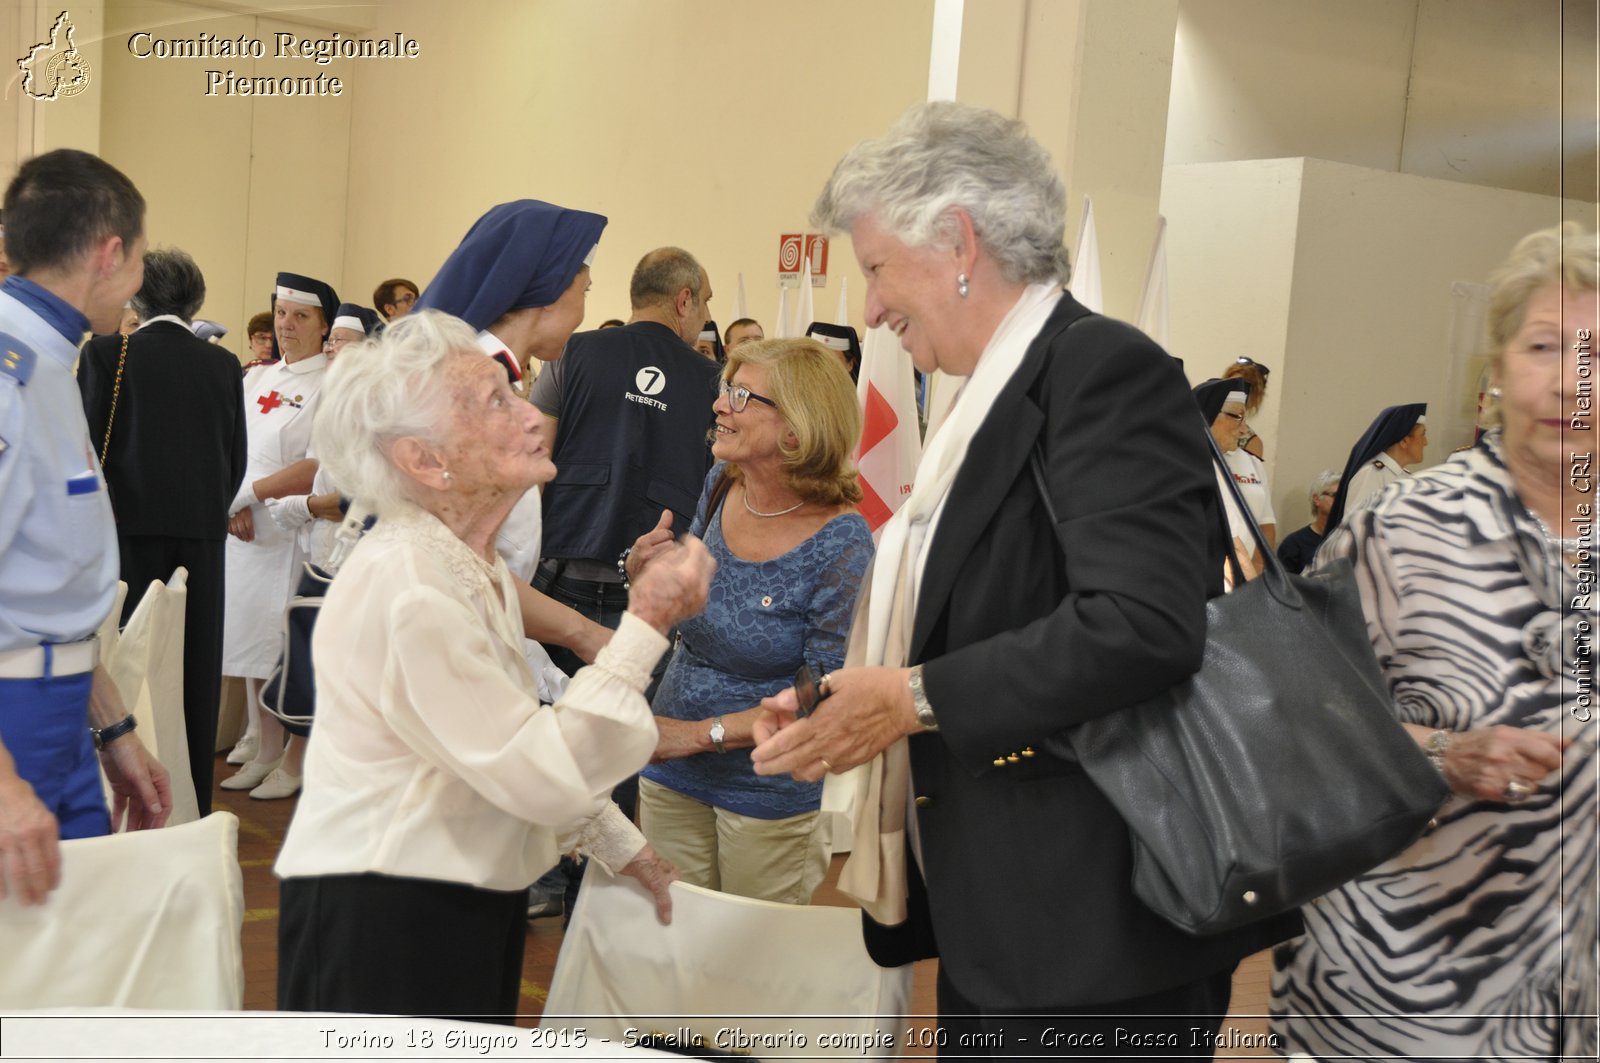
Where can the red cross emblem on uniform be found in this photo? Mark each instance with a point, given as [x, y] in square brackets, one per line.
[270, 402]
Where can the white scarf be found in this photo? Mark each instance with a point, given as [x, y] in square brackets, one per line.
[875, 793]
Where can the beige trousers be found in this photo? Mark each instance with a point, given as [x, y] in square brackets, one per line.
[781, 860]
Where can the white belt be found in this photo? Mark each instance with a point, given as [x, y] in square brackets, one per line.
[67, 658]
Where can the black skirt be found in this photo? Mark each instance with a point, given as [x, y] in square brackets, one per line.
[384, 945]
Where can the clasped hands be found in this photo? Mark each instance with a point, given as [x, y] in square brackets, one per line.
[866, 711]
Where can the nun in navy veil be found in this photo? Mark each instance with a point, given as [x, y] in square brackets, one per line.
[1379, 458]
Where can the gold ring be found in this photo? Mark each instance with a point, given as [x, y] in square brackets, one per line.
[825, 763]
[825, 686]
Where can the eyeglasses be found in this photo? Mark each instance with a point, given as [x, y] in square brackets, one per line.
[739, 397]
[1265, 372]
[404, 298]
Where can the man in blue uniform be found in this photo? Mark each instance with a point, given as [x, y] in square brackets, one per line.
[75, 239]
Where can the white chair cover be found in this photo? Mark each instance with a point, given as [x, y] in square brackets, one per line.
[108, 627]
[149, 919]
[146, 663]
[783, 978]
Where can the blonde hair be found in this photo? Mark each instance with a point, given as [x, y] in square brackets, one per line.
[816, 398]
[1563, 254]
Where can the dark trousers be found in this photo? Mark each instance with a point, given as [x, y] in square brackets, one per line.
[1174, 1024]
[385, 945]
[146, 558]
[604, 603]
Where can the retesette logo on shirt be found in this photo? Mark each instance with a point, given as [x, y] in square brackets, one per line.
[650, 381]
[54, 69]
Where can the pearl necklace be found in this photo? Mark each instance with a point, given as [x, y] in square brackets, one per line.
[1567, 546]
[754, 512]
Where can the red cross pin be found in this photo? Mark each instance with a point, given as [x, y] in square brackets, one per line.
[270, 402]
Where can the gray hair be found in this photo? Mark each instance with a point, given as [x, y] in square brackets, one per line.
[382, 390]
[942, 156]
[172, 284]
[1325, 481]
[1562, 255]
[663, 273]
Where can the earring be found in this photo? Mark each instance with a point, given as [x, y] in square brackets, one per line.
[1495, 393]
[961, 285]
[448, 476]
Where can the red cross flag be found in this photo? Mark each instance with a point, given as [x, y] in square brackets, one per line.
[891, 441]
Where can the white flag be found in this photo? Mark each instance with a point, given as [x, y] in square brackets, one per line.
[804, 311]
[780, 327]
[739, 307]
[1085, 286]
[891, 444]
[1152, 316]
[841, 316]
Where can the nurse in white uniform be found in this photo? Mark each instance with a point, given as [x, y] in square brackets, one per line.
[263, 559]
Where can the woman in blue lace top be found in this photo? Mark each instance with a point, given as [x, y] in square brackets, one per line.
[778, 515]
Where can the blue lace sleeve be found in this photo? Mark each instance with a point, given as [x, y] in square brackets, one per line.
[833, 604]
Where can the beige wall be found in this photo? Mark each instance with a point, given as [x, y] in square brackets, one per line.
[1463, 90]
[683, 122]
[1231, 230]
[1340, 279]
[249, 186]
[672, 117]
[28, 127]
[680, 121]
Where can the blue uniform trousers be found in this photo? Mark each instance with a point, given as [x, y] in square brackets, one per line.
[44, 723]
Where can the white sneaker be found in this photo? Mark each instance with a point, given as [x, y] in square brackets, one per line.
[279, 784]
[251, 775]
[245, 750]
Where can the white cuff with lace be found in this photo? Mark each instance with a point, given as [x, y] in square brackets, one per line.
[608, 836]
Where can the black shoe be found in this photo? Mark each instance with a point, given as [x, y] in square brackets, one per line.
[542, 904]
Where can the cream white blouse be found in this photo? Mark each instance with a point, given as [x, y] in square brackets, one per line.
[431, 756]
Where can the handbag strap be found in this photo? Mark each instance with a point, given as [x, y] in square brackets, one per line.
[1273, 572]
[719, 491]
[116, 392]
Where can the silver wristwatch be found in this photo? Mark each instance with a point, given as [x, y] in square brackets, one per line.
[919, 701]
[718, 733]
[1436, 746]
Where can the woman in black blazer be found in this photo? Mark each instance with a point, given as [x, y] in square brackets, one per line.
[174, 458]
[980, 635]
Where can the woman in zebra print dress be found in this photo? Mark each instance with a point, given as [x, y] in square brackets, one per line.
[1477, 940]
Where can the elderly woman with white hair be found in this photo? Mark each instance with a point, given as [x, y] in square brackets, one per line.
[1477, 580]
[989, 625]
[437, 787]
[1299, 547]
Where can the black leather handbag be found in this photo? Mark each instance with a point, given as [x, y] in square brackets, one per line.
[1276, 772]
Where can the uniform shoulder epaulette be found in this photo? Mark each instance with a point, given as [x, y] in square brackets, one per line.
[16, 358]
[1378, 464]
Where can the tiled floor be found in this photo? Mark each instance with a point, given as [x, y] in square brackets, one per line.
[261, 829]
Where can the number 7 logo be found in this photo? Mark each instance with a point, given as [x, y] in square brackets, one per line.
[650, 380]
